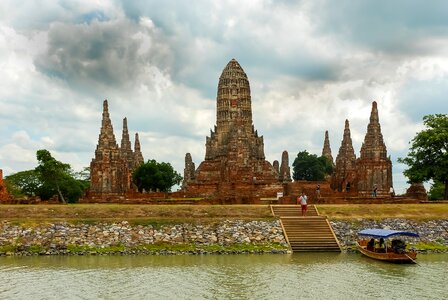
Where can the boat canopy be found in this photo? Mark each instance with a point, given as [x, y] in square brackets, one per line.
[385, 233]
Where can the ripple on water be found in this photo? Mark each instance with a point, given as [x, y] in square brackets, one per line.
[307, 276]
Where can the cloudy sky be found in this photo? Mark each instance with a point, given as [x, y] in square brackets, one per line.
[311, 65]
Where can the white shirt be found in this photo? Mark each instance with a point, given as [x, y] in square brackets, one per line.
[303, 199]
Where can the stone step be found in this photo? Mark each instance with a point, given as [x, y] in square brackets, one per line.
[292, 210]
[305, 233]
[317, 249]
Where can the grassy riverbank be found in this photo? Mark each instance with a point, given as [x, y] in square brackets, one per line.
[145, 249]
[39, 219]
[153, 214]
[383, 211]
[134, 214]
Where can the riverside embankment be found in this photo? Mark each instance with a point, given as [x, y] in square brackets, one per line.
[135, 229]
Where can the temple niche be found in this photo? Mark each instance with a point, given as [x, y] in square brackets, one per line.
[234, 155]
[111, 168]
[344, 174]
[374, 167]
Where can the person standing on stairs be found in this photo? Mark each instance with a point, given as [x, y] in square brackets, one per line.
[303, 203]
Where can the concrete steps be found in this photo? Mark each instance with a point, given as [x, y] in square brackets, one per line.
[309, 233]
[292, 210]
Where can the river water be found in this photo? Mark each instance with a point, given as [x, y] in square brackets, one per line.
[293, 276]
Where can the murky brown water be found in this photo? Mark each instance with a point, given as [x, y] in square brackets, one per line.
[296, 276]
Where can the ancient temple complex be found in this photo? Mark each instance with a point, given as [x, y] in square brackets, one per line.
[111, 168]
[374, 167]
[234, 162]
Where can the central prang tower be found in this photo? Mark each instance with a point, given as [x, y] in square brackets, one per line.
[234, 119]
[234, 157]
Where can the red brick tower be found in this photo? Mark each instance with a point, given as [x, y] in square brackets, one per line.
[344, 174]
[109, 171]
[234, 158]
[374, 168]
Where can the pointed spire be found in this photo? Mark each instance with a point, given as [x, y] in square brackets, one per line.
[138, 156]
[106, 139]
[276, 166]
[346, 150]
[125, 142]
[374, 113]
[373, 146]
[345, 167]
[126, 150]
[326, 151]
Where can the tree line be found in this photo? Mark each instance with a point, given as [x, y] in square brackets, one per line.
[54, 178]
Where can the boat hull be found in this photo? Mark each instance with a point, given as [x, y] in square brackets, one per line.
[400, 258]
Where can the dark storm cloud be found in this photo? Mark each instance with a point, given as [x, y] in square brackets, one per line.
[108, 53]
[260, 40]
[396, 27]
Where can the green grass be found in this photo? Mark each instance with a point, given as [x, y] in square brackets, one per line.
[77, 249]
[431, 246]
[154, 248]
[382, 211]
[212, 248]
[8, 248]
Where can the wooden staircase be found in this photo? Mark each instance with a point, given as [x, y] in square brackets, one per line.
[309, 233]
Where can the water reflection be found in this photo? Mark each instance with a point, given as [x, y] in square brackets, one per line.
[307, 276]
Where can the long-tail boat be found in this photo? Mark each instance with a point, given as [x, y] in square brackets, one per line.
[396, 251]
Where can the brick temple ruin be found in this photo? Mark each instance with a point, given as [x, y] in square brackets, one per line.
[373, 169]
[111, 168]
[235, 169]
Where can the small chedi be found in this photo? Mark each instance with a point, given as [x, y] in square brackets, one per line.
[285, 170]
[344, 174]
[234, 167]
[372, 170]
[111, 168]
[326, 150]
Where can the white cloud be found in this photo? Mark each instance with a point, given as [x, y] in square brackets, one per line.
[158, 64]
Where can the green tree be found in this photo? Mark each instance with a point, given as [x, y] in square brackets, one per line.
[428, 155]
[24, 183]
[57, 178]
[83, 177]
[436, 191]
[155, 176]
[310, 167]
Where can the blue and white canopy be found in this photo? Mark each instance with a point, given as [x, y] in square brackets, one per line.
[385, 233]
